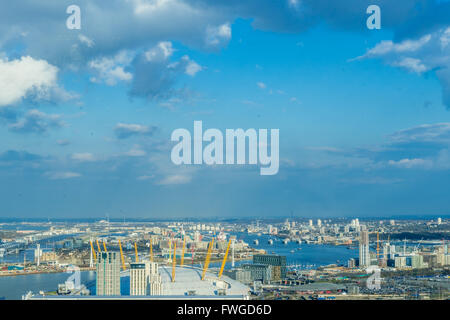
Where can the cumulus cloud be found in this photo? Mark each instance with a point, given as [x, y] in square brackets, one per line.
[112, 70]
[28, 78]
[156, 75]
[35, 121]
[126, 130]
[218, 35]
[427, 53]
[131, 25]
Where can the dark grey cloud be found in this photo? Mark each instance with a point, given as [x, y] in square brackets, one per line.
[155, 73]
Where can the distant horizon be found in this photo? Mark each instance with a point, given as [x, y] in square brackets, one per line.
[212, 219]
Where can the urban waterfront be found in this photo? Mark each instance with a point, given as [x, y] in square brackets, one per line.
[310, 256]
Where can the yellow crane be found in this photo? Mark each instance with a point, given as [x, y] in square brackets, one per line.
[151, 250]
[98, 246]
[174, 262]
[104, 246]
[93, 251]
[121, 256]
[182, 252]
[136, 252]
[224, 259]
[208, 258]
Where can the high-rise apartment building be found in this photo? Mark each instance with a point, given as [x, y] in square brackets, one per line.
[154, 279]
[139, 278]
[364, 256]
[108, 274]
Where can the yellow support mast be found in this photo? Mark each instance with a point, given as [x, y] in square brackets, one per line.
[93, 251]
[151, 250]
[224, 259]
[174, 262]
[104, 246]
[136, 252]
[121, 256]
[182, 252]
[208, 258]
[98, 246]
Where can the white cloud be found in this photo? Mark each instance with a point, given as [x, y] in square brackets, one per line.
[410, 163]
[161, 52]
[411, 64]
[62, 175]
[175, 179]
[192, 67]
[85, 40]
[406, 46]
[26, 77]
[125, 130]
[83, 157]
[136, 151]
[218, 35]
[112, 70]
[445, 38]
[261, 85]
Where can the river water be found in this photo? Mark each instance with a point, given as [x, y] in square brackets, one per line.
[308, 257]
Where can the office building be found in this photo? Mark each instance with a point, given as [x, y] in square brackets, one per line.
[277, 262]
[259, 272]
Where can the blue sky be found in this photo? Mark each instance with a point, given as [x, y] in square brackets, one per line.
[86, 115]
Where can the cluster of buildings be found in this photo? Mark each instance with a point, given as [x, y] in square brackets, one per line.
[390, 255]
[144, 277]
[266, 268]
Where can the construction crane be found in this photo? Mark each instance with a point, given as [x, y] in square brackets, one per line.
[98, 246]
[225, 259]
[104, 246]
[182, 252]
[136, 252]
[174, 262]
[93, 251]
[418, 244]
[208, 258]
[151, 250]
[121, 256]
